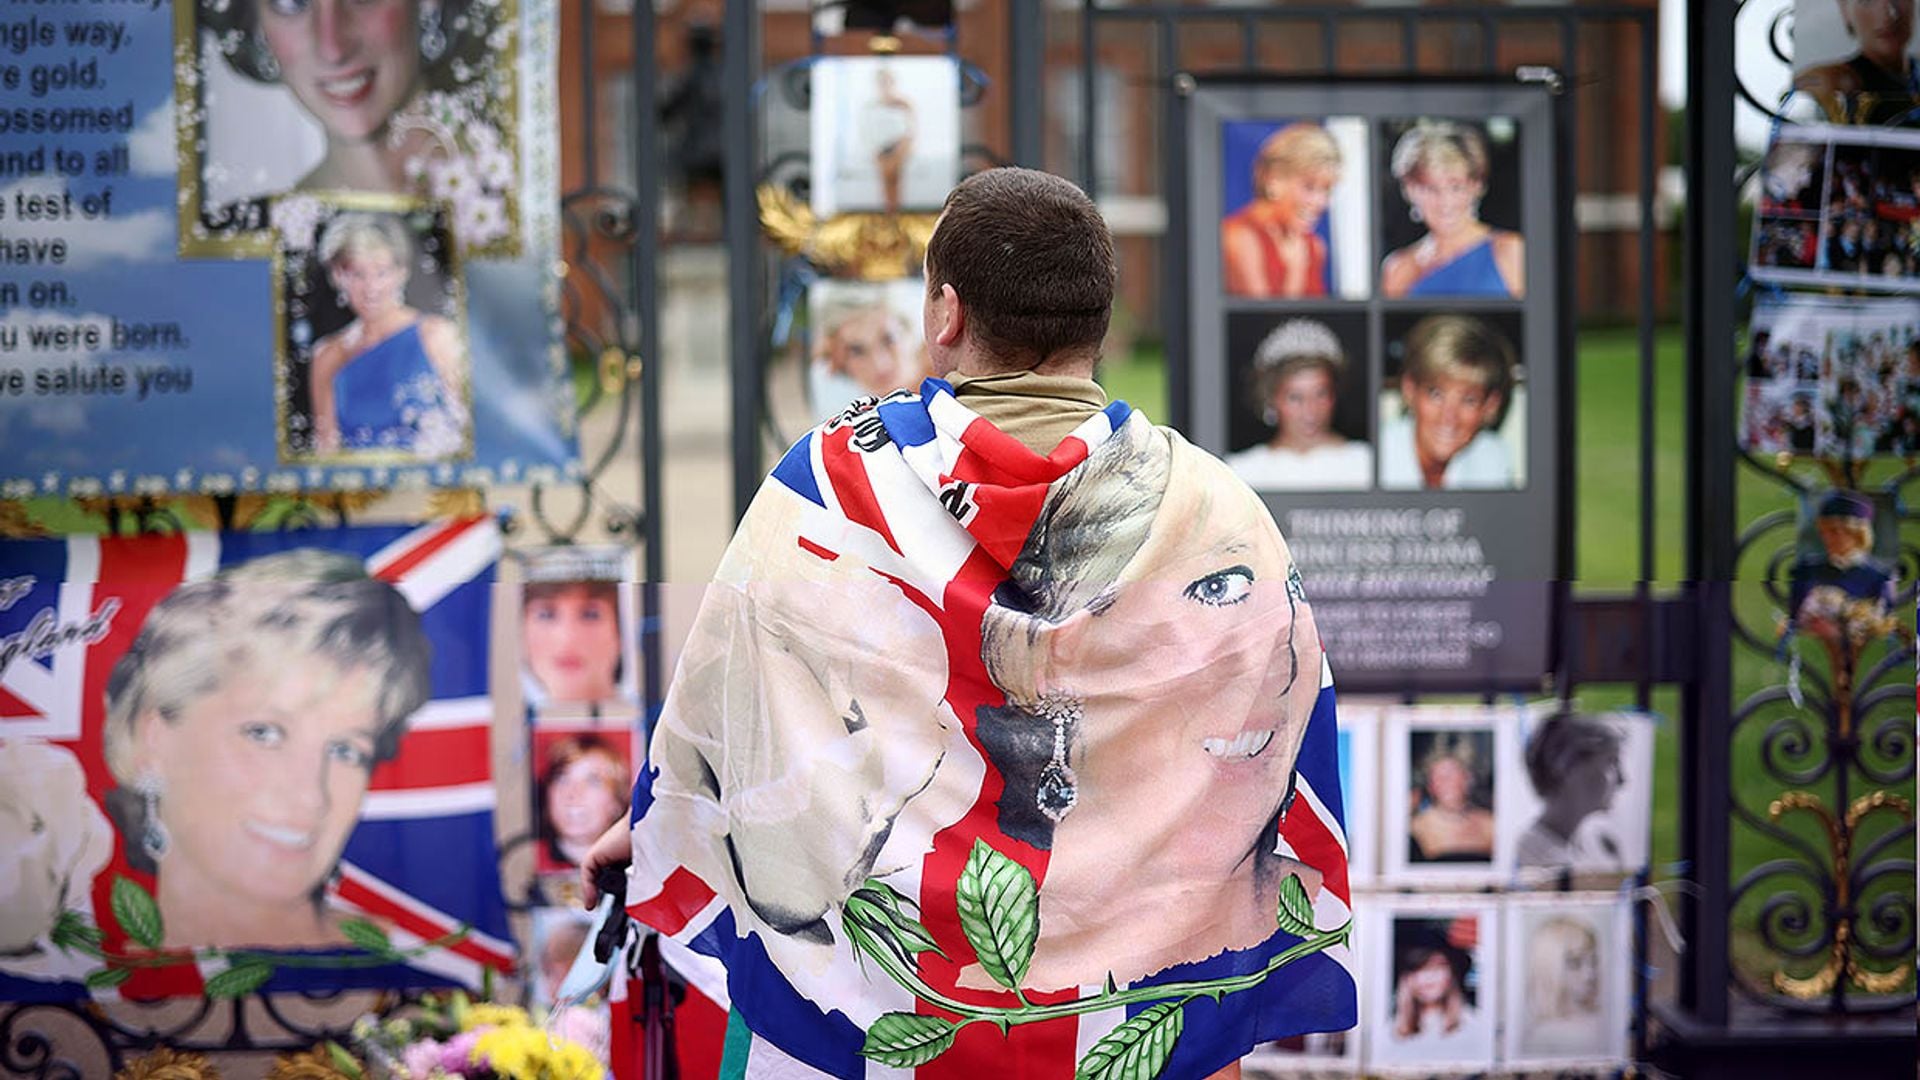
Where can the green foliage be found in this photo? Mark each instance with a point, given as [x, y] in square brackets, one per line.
[367, 935]
[240, 980]
[1137, 1049]
[1296, 908]
[1000, 914]
[138, 915]
[905, 1040]
[108, 977]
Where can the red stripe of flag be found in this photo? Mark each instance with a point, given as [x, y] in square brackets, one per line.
[426, 929]
[428, 547]
[812, 548]
[674, 906]
[443, 757]
[850, 484]
[1315, 844]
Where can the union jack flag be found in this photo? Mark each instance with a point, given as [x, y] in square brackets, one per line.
[421, 862]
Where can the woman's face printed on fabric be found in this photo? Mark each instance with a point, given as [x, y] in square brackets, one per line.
[351, 63]
[573, 644]
[585, 797]
[1192, 676]
[263, 777]
[373, 282]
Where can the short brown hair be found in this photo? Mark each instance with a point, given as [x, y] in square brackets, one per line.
[1032, 260]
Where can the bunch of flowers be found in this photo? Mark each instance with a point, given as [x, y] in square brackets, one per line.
[467, 1041]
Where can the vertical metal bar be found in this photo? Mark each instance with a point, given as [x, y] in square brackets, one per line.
[1175, 250]
[1567, 193]
[1708, 703]
[1089, 126]
[1489, 43]
[1249, 43]
[1026, 104]
[740, 64]
[644, 283]
[1409, 42]
[1649, 412]
[589, 113]
[1329, 44]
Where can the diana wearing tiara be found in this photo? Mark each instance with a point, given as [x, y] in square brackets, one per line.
[1296, 377]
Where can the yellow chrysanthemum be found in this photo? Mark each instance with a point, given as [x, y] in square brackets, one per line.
[486, 1014]
[526, 1053]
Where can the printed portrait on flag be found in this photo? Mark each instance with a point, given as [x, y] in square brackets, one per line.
[262, 742]
[582, 774]
[945, 699]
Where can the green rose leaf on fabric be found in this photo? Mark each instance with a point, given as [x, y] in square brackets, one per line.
[108, 977]
[72, 932]
[138, 915]
[1000, 913]
[239, 980]
[1296, 908]
[367, 935]
[878, 906]
[906, 1040]
[1137, 1049]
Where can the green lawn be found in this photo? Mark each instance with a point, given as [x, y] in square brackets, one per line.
[1607, 521]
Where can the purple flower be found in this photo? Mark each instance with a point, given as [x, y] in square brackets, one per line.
[454, 1055]
[421, 1058]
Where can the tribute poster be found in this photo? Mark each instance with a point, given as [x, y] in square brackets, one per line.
[232, 259]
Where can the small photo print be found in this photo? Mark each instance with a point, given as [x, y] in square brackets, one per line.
[1840, 206]
[886, 133]
[1568, 961]
[1436, 964]
[1588, 798]
[1298, 416]
[1445, 794]
[1450, 208]
[1857, 60]
[371, 359]
[1841, 584]
[1297, 217]
[1834, 379]
[559, 933]
[864, 340]
[1453, 402]
[577, 622]
[391, 98]
[582, 779]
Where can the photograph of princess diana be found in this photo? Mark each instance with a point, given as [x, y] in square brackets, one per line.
[1453, 412]
[1295, 221]
[1568, 960]
[1297, 420]
[372, 357]
[1450, 209]
[885, 133]
[394, 97]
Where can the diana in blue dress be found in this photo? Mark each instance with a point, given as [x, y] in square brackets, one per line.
[393, 379]
[1442, 168]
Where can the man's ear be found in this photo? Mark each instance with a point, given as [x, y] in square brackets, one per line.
[951, 318]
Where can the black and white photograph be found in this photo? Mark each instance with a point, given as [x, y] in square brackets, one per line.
[1453, 402]
[1450, 218]
[372, 361]
[1569, 961]
[405, 98]
[886, 134]
[1298, 420]
[1446, 794]
[1296, 221]
[864, 340]
[1588, 797]
[1436, 970]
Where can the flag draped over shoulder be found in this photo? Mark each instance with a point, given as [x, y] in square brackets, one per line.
[982, 759]
[416, 862]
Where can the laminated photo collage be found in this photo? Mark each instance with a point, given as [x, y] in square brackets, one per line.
[1827, 376]
[1490, 850]
[1374, 272]
[578, 648]
[885, 137]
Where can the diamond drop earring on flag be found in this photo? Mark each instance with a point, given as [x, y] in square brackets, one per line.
[1056, 793]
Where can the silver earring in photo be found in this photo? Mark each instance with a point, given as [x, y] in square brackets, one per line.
[153, 833]
[263, 57]
[1056, 793]
[433, 36]
[1414, 213]
[1271, 416]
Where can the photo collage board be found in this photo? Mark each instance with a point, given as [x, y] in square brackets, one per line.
[1493, 853]
[885, 137]
[1373, 343]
